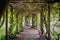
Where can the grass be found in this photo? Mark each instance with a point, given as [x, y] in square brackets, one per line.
[2, 34]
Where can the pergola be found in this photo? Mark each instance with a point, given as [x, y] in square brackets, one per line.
[28, 8]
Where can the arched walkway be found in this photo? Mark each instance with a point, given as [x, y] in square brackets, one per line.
[25, 9]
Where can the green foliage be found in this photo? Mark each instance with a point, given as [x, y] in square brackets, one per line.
[54, 16]
[58, 25]
[2, 34]
[2, 21]
[38, 20]
[12, 19]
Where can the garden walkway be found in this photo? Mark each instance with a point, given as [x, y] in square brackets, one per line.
[28, 34]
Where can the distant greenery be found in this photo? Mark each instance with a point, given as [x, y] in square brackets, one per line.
[2, 34]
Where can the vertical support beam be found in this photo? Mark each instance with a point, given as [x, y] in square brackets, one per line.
[21, 21]
[33, 20]
[17, 22]
[59, 10]
[29, 20]
[11, 20]
[41, 23]
[7, 23]
[36, 20]
[26, 20]
[48, 21]
[11, 24]
[59, 14]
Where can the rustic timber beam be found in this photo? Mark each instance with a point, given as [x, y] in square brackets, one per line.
[59, 10]
[6, 23]
[41, 23]
[48, 21]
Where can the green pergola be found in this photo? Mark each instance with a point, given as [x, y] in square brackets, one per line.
[41, 5]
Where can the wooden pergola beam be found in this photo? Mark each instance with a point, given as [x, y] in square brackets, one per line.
[27, 10]
[44, 1]
[48, 21]
[6, 23]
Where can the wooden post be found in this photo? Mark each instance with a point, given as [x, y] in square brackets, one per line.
[26, 22]
[59, 14]
[48, 21]
[33, 17]
[11, 20]
[21, 21]
[59, 10]
[41, 23]
[36, 20]
[7, 23]
[17, 22]
[11, 23]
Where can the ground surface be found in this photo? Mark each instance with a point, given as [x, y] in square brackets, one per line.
[28, 34]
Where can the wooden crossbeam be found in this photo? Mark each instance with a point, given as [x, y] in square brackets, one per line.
[17, 5]
[45, 1]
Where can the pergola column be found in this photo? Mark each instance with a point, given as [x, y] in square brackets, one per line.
[21, 20]
[48, 21]
[17, 22]
[6, 23]
[59, 14]
[11, 21]
[34, 20]
[59, 10]
[41, 23]
[26, 20]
